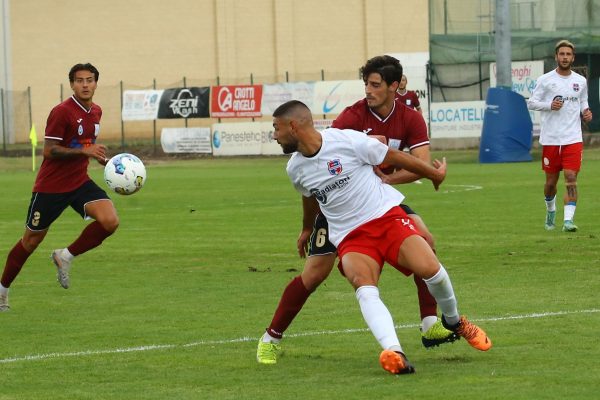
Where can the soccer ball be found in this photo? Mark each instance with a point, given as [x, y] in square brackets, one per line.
[125, 174]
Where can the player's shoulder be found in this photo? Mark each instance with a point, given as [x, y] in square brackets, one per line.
[358, 108]
[578, 77]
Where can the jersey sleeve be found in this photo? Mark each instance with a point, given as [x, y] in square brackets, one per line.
[369, 150]
[348, 119]
[416, 101]
[583, 98]
[55, 125]
[291, 170]
[416, 129]
[537, 100]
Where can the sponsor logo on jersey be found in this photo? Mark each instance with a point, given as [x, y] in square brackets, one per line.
[334, 166]
[321, 194]
[80, 130]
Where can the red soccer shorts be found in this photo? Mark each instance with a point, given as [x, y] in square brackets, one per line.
[380, 239]
[557, 158]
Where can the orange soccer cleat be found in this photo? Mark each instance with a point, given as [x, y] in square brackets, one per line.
[476, 336]
[395, 362]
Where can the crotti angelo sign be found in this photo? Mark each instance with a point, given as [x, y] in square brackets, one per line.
[237, 101]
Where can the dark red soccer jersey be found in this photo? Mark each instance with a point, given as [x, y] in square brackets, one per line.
[75, 127]
[403, 127]
[410, 99]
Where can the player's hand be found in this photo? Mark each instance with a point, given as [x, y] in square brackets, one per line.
[302, 243]
[587, 115]
[441, 166]
[557, 103]
[97, 151]
[384, 178]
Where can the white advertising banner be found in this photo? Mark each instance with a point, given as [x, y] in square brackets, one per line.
[331, 97]
[140, 105]
[414, 66]
[250, 138]
[185, 140]
[460, 119]
[464, 119]
[276, 94]
[524, 76]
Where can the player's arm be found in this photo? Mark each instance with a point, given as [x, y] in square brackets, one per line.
[536, 102]
[54, 150]
[399, 159]
[402, 175]
[310, 209]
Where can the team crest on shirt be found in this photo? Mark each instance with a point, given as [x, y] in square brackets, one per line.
[576, 87]
[80, 130]
[334, 166]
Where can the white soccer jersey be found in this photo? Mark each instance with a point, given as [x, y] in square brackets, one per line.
[563, 126]
[341, 177]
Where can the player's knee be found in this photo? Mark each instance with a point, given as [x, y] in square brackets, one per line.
[110, 224]
[31, 243]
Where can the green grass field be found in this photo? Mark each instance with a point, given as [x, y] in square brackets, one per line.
[172, 305]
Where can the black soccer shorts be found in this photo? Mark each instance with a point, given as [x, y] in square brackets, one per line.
[45, 208]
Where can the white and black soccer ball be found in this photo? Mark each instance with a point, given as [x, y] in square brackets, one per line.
[125, 174]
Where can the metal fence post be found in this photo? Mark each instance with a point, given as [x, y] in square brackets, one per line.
[122, 122]
[3, 121]
[154, 120]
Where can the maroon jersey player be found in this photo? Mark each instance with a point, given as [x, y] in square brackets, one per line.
[408, 97]
[62, 181]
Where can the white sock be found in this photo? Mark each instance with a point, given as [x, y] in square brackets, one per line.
[66, 255]
[551, 204]
[3, 290]
[266, 338]
[569, 211]
[428, 322]
[440, 288]
[378, 317]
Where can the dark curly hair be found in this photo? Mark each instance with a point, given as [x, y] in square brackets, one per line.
[388, 67]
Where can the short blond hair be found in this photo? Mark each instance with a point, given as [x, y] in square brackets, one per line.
[564, 43]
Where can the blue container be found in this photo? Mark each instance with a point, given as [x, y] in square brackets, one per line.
[507, 131]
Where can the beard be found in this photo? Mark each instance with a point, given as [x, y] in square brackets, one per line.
[565, 66]
[289, 148]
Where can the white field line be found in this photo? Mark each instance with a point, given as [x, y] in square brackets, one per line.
[37, 357]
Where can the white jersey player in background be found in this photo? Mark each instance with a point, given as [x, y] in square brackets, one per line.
[561, 96]
[335, 168]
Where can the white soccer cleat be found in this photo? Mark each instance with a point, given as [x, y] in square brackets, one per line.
[62, 268]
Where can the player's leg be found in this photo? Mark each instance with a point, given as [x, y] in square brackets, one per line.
[551, 165]
[416, 255]
[316, 270]
[433, 332]
[90, 202]
[362, 271]
[571, 159]
[318, 266]
[570, 200]
[42, 212]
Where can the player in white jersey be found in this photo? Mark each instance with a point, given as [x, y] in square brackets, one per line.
[561, 96]
[335, 168]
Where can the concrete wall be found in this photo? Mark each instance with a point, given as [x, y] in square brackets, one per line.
[138, 41]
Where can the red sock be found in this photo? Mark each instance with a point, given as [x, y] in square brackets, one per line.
[427, 303]
[91, 237]
[293, 298]
[14, 262]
